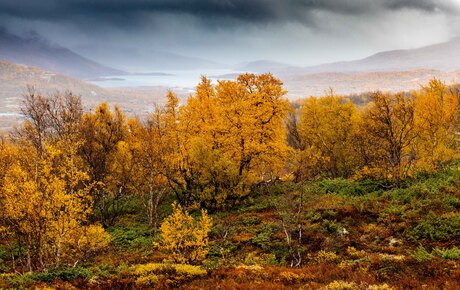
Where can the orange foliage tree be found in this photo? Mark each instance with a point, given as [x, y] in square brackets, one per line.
[225, 138]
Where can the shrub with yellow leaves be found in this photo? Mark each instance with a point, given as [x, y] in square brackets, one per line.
[341, 285]
[185, 238]
[326, 257]
[150, 274]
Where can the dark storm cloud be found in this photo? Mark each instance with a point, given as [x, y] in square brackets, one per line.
[427, 5]
[129, 12]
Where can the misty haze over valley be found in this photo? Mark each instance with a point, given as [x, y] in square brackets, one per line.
[311, 47]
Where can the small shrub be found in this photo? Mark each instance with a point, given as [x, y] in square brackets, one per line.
[252, 259]
[341, 285]
[270, 260]
[150, 274]
[448, 254]
[250, 267]
[341, 186]
[132, 237]
[64, 274]
[452, 201]
[330, 226]
[251, 221]
[69, 274]
[147, 280]
[350, 187]
[379, 287]
[183, 237]
[255, 258]
[264, 238]
[390, 257]
[289, 277]
[189, 270]
[356, 254]
[436, 228]
[326, 257]
[421, 254]
[313, 216]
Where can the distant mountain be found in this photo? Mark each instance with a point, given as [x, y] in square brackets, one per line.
[161, 60]
[14, 79]
[444, 56]
[134, 60]
[36, 51]
[263, 66]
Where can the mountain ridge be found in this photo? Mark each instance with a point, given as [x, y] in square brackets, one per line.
[443, 56]
[36, 51]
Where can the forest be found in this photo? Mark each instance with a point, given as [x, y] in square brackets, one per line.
[237, 188]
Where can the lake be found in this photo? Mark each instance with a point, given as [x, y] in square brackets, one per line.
[185, 80]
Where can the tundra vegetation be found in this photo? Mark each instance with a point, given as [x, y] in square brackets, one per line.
[235, 189]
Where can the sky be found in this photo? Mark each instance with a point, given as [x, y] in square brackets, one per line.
[298, 32]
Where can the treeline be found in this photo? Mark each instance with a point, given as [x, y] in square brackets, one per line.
[66, 174]
[392, 137]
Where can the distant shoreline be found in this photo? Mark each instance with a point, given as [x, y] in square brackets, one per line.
[105, 79]
[152, 74]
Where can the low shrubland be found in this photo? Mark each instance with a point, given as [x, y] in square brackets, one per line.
[341, 234]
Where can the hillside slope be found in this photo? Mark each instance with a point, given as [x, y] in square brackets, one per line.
[443, 56]
[356, 235]
[15, 78]
[35, 51]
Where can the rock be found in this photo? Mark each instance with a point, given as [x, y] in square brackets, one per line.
[394, 242]
[342, 232]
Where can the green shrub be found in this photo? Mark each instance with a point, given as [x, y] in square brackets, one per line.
[348, 187]
[402, 195]
[106, 270]
[271, 260]
[428, 189]
[263, 238]
[132, 237]
[4, 253]
[452, 201]
[221, 245]
[341, 186]
[65, 274]
[436, 228]
[447, 254]
[421, 254]
[251, 221]
[222, 249]
[68, 274]
[330, 226]
[313, 216]
[257, 205]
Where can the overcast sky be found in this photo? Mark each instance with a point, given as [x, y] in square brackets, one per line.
[300, 32]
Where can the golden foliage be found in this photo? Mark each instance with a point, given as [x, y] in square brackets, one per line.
[325, 129]
[226, 138]
[45, 201]
[150, 274]
[341, 285]
[436, 115]
[183, 237]
[395, 136]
